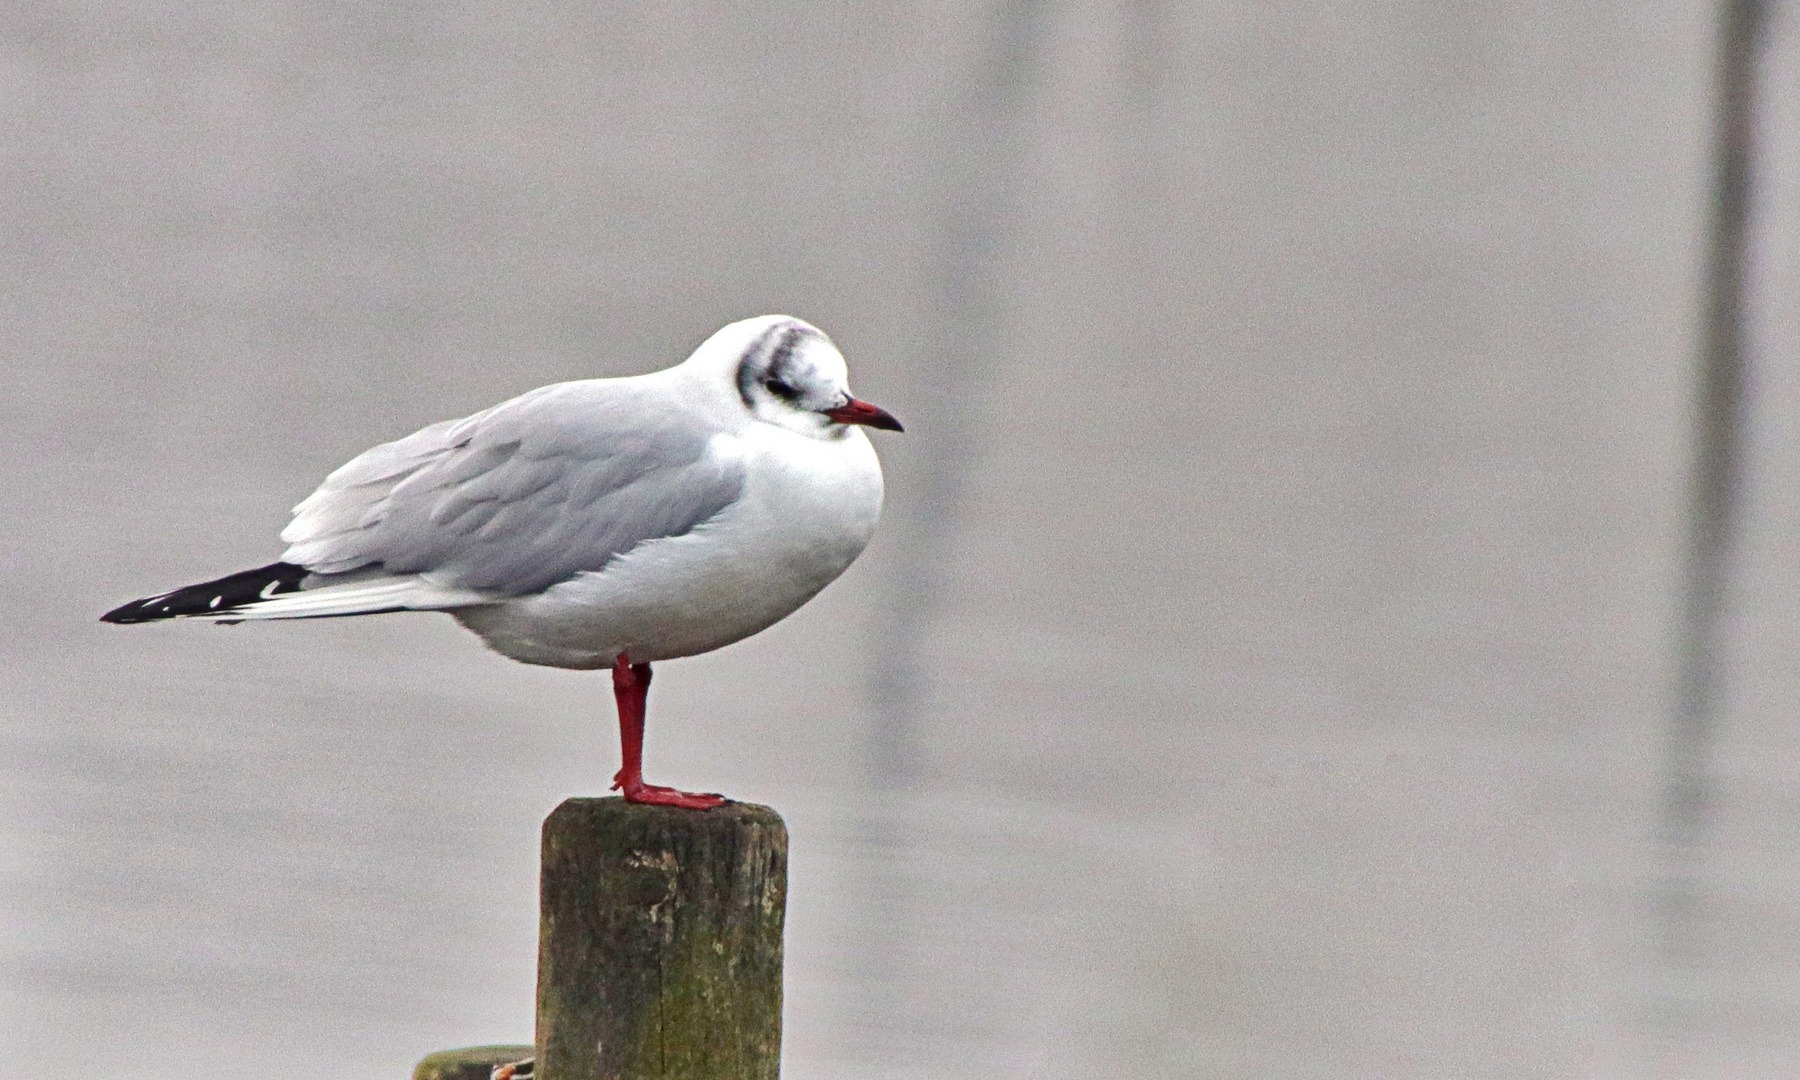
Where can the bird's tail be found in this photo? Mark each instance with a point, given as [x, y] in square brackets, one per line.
[285, 591]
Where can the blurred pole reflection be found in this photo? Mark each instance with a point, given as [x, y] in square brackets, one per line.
[1680, 901]
[975, 189]
[976, 186]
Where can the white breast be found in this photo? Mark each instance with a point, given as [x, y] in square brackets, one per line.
[808, 509]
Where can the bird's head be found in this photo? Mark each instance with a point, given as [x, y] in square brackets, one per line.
[789, 374]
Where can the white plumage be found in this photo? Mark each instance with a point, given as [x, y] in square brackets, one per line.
[661, 514]
[606, 522]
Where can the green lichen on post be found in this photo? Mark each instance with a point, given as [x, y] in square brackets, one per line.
[660, 942]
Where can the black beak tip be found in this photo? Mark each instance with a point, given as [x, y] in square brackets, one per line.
[861, 412]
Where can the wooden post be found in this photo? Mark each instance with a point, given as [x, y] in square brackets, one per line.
[659, 942]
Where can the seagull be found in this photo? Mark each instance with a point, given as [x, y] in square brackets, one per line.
[602, 523]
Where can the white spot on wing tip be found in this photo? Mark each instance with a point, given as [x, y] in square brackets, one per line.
[267, 590]
[215, 601]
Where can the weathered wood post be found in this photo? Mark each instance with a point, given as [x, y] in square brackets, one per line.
[659, 942]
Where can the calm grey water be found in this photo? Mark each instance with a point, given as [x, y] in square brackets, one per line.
[1263, 667]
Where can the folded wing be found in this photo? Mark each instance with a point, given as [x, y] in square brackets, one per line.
[519, 497]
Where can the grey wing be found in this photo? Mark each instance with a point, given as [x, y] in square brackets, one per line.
[526, 494]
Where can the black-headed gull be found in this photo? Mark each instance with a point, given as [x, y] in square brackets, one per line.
[601, 523]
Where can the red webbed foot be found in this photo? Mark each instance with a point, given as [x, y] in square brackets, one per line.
[655, 795]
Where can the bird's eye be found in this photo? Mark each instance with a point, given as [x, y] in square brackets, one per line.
[781, 389]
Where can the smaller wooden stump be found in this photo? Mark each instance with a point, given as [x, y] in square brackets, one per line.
[659, 943]
[474, 1063]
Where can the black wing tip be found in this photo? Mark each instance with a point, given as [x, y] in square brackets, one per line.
[218, 597]
[135, 612]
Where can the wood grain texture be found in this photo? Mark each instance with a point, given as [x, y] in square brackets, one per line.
[659, 949]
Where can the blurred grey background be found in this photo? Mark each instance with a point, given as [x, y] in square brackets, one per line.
[1264, 667]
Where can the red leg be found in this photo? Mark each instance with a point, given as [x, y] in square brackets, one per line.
[631, 686]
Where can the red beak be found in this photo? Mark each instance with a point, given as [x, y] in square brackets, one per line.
[856, 411]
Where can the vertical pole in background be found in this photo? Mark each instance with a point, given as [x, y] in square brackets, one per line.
[659, 942]
[978, 179]
[1714, 512]
[975, 184]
